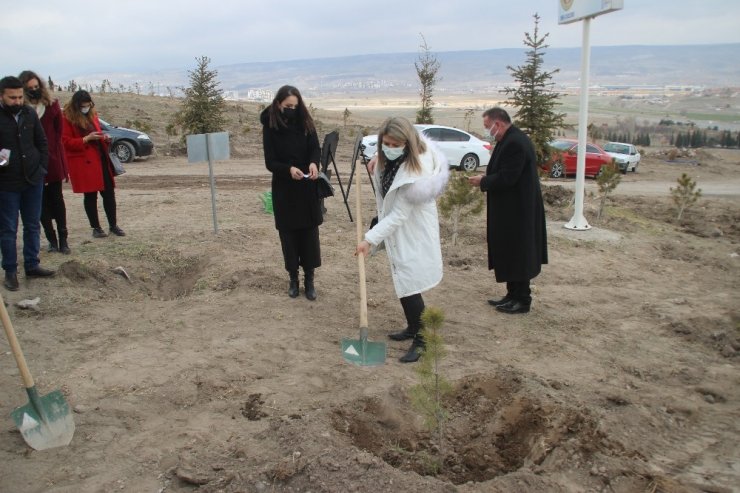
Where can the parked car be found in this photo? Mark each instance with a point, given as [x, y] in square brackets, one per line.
[565, 155]
[463, 150]
[625, 155]
[127, 143]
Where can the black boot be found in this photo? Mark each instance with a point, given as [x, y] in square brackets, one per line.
[293, 288]
[63, 245]
[52, 237]
[308, 284]
[414, 352]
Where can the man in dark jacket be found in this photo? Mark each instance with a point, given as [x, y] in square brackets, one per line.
[23, 160]
[517, 238]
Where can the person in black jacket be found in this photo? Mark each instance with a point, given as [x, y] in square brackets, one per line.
[516, 231]
[292, 154]
[23, 163]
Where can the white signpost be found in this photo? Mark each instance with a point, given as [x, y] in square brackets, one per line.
[209, 147]
[572, 11]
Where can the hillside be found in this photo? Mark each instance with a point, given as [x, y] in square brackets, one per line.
[461, 71]
[195, 372]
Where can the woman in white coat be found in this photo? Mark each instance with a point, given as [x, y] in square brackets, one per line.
[409, 174]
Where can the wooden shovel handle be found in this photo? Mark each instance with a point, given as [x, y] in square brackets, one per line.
[361, 257]
[14, 346]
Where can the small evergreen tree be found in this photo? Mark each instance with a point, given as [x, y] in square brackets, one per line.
[50, 83]
[204, 105]
[427, 396]
[345, 116]
[607, 180]
[460, 200]
[685, 194]
[534, 98]
[427, 67]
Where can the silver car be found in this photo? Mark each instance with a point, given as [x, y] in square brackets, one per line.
[626, 156]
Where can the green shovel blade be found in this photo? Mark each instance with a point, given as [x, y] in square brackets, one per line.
[362, 352]
[46, 421]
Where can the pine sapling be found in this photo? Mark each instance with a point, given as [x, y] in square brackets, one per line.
[427, 396]
[607, 180]
[685, 194]
[460, 200]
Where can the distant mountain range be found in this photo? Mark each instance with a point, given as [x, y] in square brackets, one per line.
[460, 71]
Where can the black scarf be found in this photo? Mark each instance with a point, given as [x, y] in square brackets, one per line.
[389, 173]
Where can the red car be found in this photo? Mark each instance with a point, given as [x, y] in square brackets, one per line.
[564, 156]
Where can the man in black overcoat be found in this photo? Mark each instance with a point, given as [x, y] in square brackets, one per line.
[515, 214]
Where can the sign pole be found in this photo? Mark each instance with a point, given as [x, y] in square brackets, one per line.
[578, 221]
[213, 183]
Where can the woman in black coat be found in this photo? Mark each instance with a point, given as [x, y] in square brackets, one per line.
[292, 155]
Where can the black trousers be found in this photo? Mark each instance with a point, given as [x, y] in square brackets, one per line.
[519, 291]
[300, 248]
[109, 205]
[413, 306]
[53, 209]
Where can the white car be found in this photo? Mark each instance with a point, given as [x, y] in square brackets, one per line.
[625, 155]
[463, 151]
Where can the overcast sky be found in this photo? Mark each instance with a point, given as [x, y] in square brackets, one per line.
[66, 38]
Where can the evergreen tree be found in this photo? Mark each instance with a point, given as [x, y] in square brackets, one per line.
[534, 97]
[428, 396]
[204, 105]
[427, 67]
[460, 200]
[50, 83]
[685, 194]
[607, 180]
[345, 116]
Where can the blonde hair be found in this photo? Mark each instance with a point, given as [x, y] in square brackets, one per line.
[400, 129]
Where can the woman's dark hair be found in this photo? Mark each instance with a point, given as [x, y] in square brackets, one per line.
[29, 75]
[72, 110]
[302, 113]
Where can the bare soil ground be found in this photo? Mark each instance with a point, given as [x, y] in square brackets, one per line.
[200, 374]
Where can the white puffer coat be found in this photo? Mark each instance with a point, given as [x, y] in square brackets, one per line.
[408, 224]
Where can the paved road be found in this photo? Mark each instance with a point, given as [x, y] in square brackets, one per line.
[727, 188]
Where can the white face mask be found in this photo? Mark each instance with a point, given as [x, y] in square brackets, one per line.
[392, 153]
[489, 129]
[85, 110]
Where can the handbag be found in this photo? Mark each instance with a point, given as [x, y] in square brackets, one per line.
[118, 168]
[324, 187]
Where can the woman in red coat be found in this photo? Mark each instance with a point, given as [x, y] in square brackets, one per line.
[50, 114]
[90, 169]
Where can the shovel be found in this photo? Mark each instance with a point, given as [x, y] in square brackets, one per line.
[362, 352]
[45, 422]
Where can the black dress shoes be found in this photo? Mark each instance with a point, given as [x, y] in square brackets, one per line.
[500, 302]
[401, 336]
[513, 307]
[115, 230]
[39, 271]
[11, 281]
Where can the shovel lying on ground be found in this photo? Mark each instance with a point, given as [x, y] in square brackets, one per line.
[45, 422]
[360, 351]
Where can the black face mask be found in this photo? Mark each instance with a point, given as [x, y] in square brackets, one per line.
[289, 113]
[34, 93]
[14, 108]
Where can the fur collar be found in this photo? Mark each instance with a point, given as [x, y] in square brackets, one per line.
[436, 172]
